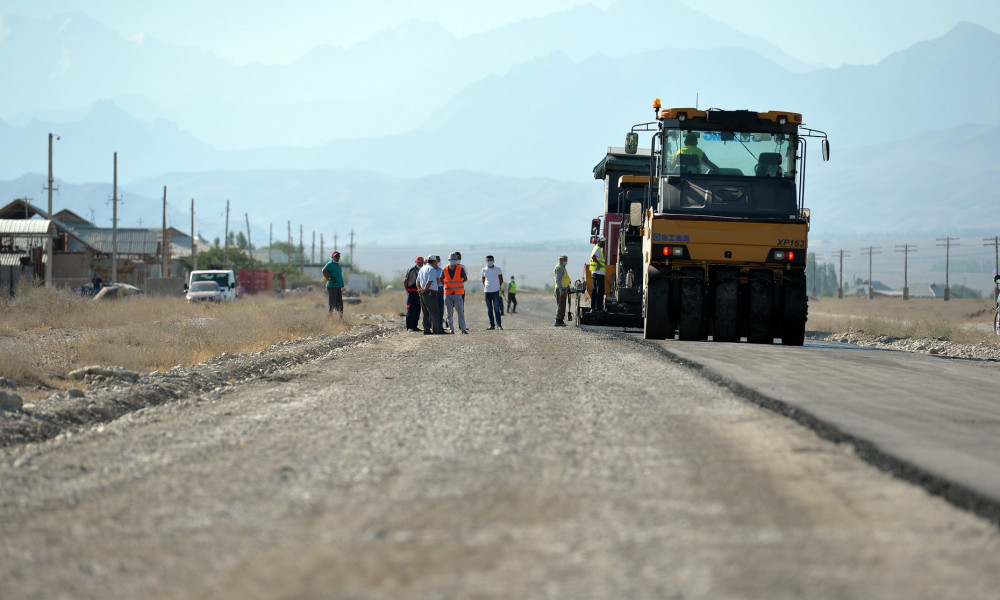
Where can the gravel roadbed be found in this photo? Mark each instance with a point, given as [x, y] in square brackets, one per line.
[529, 462]
[980, 351]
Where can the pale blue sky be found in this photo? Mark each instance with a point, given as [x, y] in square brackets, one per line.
[824, 32]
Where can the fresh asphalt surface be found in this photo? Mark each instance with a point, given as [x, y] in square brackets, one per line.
[932, 420]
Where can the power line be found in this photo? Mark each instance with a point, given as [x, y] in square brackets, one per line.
[906, 249]
[948, 241]
[870, 251]
[840, 290]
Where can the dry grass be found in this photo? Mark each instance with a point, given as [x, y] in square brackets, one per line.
[958, 320]
[46, 333]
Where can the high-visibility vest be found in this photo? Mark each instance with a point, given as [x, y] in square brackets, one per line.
[597, 260]
[565, 281]
[453, 283]
[512, 288]
[695, 150]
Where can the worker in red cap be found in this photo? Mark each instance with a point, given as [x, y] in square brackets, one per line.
[334, 277]
[413, 296]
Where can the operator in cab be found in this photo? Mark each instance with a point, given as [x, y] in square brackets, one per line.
[690, 147]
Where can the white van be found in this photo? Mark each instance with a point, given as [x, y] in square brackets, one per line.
[225, 278]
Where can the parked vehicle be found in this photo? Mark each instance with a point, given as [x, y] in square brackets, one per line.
[224, 278]
[114, 291]
[204, 291]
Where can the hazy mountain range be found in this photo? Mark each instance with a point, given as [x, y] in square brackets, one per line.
[486, 137]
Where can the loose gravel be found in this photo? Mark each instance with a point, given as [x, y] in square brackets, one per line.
[532, 462]
[980, 351]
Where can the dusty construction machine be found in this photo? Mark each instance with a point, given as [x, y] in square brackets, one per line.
[709, 236]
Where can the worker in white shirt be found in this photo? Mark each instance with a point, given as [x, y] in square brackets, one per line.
[492, 284]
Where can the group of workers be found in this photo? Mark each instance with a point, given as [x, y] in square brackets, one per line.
[432, 288]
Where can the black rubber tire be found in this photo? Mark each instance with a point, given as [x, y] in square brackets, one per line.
[656, 323]
[691, 323]
[725, 322]
[793, 321]
[759, 315]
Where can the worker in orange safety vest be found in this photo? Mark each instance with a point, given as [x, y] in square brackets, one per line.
[454, 279]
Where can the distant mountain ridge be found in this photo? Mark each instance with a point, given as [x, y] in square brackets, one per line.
[505, 139]
[517, 124]
[70, 61]
[899, 187]
[457, 206]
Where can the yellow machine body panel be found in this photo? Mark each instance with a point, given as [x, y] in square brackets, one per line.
[723, 241]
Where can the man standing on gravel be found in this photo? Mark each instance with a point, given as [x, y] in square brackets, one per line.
[562, 282]
[334, 277]
[440, 274]
[454, 279]
[413, 295]
[427, 284]
[492, 282]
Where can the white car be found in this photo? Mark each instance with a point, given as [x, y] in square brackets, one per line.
[204, 291]
[224, 277]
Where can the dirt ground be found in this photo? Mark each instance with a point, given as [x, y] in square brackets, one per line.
[514, 463]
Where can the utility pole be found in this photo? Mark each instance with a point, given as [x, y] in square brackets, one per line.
[164, 242]
[48, 242]
[351, 246]
[289, 243]
[114, 225]
[194, 241]
[840, 289]
[302, 248]
[312, 253]
[225, 244]
[948, 241]
[870, 251]
[270, 245]
[335, 241]
[322, 248]
[816, 256]
[249, 245]
[995, 242]
[906, 249]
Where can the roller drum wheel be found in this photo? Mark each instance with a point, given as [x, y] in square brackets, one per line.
[656, 324]
[793, 321]
[725, 322]
[759, 315]
[691, 323]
